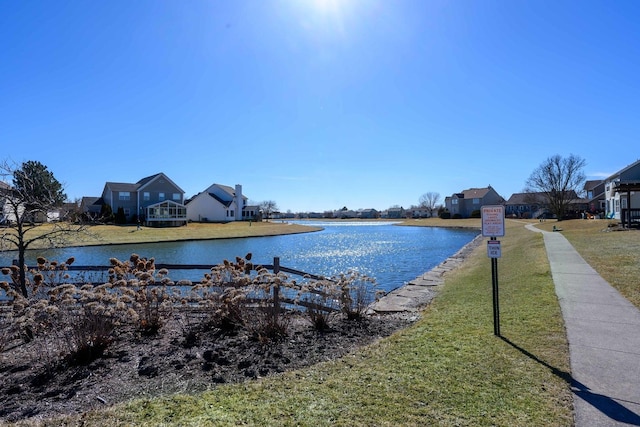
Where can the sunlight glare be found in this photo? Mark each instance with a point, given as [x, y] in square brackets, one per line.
[326, 6]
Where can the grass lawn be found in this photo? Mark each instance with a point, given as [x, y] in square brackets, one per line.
[447, 369]
[613, 254]
[116, 234]
[448, 223]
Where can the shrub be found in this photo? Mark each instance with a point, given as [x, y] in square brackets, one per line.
[267, 322]
[457, 216]
[223, 291]
[349, 293]
[120, 217]
[445, 215]
[319, 307]
[5, 332]
[87, 336]
[238, 298]
[227, 309]
[357, 293]
[476, 214]
[146, 291]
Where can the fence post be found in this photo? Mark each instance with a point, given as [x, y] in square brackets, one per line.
[276, 290]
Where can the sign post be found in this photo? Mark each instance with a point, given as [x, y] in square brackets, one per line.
[493, 227]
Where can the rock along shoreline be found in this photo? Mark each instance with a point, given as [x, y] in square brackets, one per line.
[419, 292]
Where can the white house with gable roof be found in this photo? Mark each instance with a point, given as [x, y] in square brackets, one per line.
[220, 203]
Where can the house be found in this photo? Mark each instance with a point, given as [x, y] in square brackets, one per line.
[154, 200]
[622, 194]
[395, 213]
[527, 205]
[91, 207]
[7, 213]
[12, 209]
[469, 202]
[368, 213]
[595, 196]
[536, 205]
[419, 212]
[345, 214]
[221, 203]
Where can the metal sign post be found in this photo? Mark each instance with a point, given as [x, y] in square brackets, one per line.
[492, 227]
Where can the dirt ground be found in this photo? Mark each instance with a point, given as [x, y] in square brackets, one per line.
[36, 384]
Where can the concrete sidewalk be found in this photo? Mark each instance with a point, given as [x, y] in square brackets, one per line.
[603, 330]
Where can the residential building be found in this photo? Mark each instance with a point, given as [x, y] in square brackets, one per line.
[91, 207]
[221, 203]
[368, 214]
[527, 205]
[154, 200]
[7, 211]
[536, 205]
[395, 213]
[595, 196]
[419, 212]
[470, 201]
[622, 194]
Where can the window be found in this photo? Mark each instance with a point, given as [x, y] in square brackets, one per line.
[146, 196]
[160, 196]
[127, 212]
[124, 195]
[454, 201]
[476, 201]
[176, 197]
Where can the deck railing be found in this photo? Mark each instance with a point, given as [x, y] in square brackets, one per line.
[630, 217]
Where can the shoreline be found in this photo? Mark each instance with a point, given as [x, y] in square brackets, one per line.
[160, 239]
[415, 295]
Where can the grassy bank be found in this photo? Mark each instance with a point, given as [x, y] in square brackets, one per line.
[447, 369]
[116, 234]
[447, 223]
[613, 254]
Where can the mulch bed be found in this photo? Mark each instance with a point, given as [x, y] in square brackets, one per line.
[35, 383]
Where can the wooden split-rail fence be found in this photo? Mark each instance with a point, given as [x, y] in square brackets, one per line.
[277, 297]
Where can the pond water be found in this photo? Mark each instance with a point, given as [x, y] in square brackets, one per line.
[392, 254]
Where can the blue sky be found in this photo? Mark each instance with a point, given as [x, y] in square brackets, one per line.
[319, 104]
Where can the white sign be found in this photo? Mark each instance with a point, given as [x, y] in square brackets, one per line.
[493, 249]
[493, 221]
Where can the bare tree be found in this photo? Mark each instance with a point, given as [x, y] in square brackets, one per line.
[35, 193]
[429, 200]
[268, 207]
[559, 179]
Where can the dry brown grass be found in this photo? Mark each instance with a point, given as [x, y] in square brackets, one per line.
[116, 234]
[612, 252]
[447, 223]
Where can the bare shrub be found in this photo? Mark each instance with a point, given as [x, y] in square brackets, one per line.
[357, 292]
[145, 290]
[266, 323]
[88, 335]
[5, 332]
[349, 293]
[319, 304]
[228, 309]
[238, 297]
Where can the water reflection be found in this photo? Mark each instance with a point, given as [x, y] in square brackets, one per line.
[390, 253]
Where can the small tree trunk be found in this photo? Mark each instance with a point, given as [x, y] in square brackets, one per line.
[22, 273]
[276, 291]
